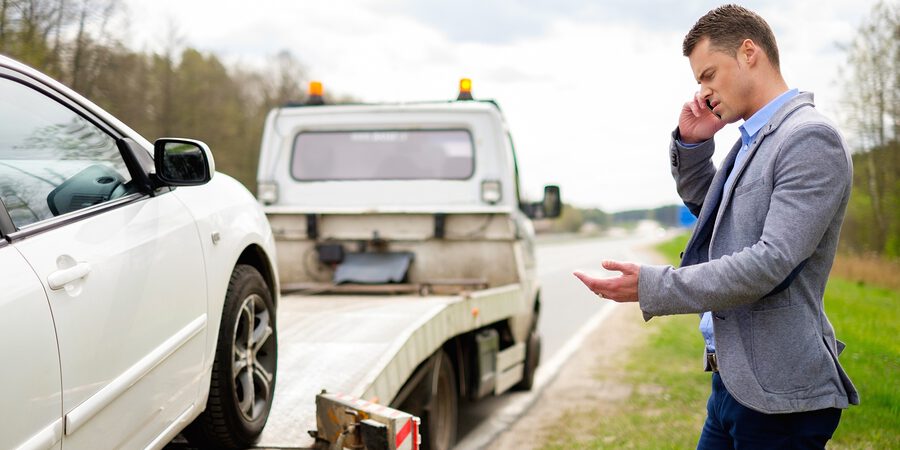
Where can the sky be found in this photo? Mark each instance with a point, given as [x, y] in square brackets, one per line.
[591, 90]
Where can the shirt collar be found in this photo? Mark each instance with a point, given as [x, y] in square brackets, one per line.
[755, 123]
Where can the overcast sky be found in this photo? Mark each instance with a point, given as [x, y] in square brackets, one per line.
[591, 89]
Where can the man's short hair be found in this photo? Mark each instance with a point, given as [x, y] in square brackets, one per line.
[727, 26]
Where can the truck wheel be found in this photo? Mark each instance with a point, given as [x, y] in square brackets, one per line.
[243, 372]
[532, 359]
[440, 416]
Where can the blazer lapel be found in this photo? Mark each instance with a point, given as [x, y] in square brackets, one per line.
[726, 199]
[773, 124]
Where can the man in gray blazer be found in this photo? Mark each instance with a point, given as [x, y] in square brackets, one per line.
[767, 230]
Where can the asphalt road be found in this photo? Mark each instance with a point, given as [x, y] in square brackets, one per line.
[567, 306]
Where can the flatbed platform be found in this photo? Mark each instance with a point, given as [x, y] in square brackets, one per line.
[366, 346]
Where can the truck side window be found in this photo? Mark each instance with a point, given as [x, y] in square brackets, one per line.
[52, 160]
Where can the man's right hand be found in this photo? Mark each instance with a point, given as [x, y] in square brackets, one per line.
[697, 123]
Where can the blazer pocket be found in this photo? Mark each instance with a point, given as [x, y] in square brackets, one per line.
[749, 186]
[788, 354]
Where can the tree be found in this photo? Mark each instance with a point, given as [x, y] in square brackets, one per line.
[872, 107]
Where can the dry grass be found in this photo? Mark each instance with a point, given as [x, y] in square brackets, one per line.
[868, 269]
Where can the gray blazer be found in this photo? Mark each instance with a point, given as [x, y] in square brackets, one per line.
[759, 259]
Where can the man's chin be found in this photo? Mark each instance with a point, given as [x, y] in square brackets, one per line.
[729, 119]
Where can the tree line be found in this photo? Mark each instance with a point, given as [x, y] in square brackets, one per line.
[182, 91]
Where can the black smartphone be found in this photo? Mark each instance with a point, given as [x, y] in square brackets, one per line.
[709, 105]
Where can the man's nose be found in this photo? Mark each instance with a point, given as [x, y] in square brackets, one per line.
[705, 92]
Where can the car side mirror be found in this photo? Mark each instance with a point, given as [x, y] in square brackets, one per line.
[183, 162]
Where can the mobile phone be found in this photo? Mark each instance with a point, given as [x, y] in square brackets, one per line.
[709, 105]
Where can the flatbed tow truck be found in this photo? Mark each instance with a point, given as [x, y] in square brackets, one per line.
[406, 261]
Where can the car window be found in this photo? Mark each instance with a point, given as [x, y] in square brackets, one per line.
[52, 160]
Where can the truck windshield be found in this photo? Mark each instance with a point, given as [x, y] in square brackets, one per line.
[383, 155]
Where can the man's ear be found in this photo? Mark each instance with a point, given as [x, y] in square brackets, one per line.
[748, 53]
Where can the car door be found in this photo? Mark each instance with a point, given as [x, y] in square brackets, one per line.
[122, 270]
[30, 381]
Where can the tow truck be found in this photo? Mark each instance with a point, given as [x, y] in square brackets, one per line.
[406, 258]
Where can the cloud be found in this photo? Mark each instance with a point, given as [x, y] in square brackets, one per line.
[491, 22]
[510, 21]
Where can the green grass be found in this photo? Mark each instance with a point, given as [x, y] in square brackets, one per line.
[666, 406]
[867, 319]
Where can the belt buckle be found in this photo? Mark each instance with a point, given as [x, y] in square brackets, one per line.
[712, 361]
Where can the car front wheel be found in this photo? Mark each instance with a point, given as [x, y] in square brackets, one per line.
[243, 372]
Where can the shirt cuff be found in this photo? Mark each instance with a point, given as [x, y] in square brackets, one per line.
[684, 144]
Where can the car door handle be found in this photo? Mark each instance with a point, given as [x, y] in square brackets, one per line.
[60, 278]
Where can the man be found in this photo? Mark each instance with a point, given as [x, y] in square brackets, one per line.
[759, 258]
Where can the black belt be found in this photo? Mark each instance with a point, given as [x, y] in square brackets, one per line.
[712, 361]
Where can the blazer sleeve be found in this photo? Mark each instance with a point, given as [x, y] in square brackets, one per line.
[812, 176]
[693, 170]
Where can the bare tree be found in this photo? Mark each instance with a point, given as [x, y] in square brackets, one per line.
[92, 37]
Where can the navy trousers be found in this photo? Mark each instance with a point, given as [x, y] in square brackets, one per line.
[731, 425]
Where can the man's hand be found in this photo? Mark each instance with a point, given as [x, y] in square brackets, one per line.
[623, 288]
[697, 123]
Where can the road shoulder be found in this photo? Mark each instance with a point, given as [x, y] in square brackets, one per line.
[577, 387]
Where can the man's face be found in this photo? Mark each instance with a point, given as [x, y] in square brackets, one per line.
[724, 81]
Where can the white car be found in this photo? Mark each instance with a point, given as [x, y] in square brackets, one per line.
[138, 288]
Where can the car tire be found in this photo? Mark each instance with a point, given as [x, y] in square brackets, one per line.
[243, 372]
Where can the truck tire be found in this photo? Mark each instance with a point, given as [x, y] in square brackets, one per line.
[439, 420]
[243, 372]
[532, 359]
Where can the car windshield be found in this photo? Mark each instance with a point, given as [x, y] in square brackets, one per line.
[383, 155]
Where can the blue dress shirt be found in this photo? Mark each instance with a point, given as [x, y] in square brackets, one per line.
[749, 129]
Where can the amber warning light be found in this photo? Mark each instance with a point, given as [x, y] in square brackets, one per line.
[465, 89]
[315, 93]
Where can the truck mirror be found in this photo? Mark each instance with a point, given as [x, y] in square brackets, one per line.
[548, 208]
[552, 203]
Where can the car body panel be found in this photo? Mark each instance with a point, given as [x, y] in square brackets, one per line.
[144, 258]
[134, 289]
[29, 341]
